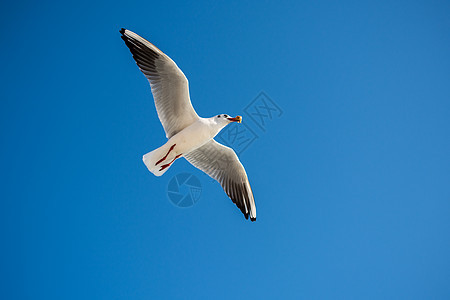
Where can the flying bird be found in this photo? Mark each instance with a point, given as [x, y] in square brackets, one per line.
[189, 135]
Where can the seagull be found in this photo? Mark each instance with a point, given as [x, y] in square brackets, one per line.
[189, 135]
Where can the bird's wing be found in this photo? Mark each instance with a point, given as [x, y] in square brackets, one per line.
[222, 164]
[169, 85]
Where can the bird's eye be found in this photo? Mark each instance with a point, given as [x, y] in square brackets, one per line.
[218, 116]
[226, 116]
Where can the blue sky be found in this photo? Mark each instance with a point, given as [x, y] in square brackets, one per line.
[351, 181]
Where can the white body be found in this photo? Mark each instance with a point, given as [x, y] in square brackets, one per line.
[190, 138]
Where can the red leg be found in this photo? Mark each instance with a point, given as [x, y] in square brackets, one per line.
[167, 165]
[162, 159]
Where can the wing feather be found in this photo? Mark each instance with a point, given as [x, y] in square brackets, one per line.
[222, 164]
[169, 86]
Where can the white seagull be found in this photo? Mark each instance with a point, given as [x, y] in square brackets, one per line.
[189, 135]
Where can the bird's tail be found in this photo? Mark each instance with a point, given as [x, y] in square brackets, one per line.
[155, 164]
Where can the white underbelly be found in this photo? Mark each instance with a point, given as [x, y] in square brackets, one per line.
[190, 139]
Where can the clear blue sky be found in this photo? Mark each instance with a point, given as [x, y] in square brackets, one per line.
[352, 182]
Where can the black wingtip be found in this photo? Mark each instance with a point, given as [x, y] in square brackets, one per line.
[253, 219]
[122, 30]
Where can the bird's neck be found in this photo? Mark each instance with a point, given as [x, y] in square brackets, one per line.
[214, 127]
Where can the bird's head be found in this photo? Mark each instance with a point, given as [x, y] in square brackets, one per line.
[225, 119]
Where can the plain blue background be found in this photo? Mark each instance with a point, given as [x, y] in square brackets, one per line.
[351, 182]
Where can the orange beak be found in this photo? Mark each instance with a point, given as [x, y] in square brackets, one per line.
[237, 119]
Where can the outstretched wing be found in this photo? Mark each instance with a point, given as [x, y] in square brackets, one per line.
[169, 85]
[222, 164]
